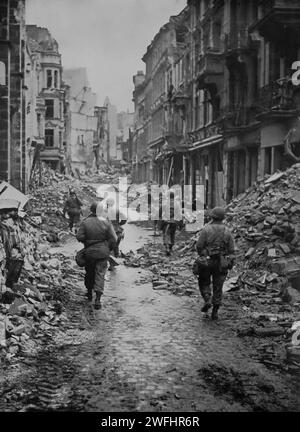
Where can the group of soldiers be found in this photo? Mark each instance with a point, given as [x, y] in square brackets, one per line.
[101, 233]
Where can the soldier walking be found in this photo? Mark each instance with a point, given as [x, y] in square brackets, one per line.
[118, 219]
[170, 215]
[73, 208]
[96, 233]
[215, 247]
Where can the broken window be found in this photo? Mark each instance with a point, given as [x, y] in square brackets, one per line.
[39, 124]
[56, 79]
[241, 169]
[49, 78]
[49, 103]
[49, 137]
[268, 160]
[253, 165]
[207, 112]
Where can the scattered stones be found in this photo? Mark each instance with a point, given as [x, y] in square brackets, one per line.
[266, 227]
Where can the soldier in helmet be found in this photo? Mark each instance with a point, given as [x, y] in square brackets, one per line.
[215, 247]
[73, 208]
[96, 233]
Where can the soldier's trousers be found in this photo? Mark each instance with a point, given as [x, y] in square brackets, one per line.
[95, 276]
[212, 274]
[73, 219]
[169, 230]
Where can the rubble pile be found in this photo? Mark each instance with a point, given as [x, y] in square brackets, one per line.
[31, 287]
[46, 176]
[265, 221]
[110, 177]
[33, 277]
[45, 208]
[172, 273]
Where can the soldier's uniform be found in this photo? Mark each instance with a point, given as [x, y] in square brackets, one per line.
[169, 223]
[215, 247]
[96, 234]
[73, 208]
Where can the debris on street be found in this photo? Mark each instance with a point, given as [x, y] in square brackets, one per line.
[265, 282]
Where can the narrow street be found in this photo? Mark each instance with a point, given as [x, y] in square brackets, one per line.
[177, 124]
[145, 350]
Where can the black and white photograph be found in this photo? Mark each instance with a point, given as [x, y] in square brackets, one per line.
[149, 210]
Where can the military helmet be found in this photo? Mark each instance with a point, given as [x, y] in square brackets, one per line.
[93, 207]
[218, 213]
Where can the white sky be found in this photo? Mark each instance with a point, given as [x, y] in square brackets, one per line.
[108, 37]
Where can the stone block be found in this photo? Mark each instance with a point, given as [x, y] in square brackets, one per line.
[269, 331]
[286, 266]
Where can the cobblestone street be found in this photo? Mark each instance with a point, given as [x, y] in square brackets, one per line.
[149, 209]
[148, 350]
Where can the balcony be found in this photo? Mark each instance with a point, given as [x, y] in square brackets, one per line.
[209, 64]
[238, 116]
[180, 99]
[204, 133]
[276, 98]
[277, 15]
[236, 40]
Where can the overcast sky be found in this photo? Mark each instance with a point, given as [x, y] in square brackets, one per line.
[108, 37]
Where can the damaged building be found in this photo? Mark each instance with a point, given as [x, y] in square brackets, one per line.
[217, 105]
[12, 96]
[159, 122]
[81, 121]
[50, 93]
[101, 137]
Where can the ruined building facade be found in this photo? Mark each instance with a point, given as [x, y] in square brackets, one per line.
[124, 141]
[50, 93]
[12, 95]
[35, 112]
[220, 108]
[81, 121]
[101, 137]
[159, 125]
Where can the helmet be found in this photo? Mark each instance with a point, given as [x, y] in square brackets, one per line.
[218, 213]
[93, 207]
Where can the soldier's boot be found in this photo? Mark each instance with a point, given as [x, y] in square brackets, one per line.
[206, 307]
[97, 301]
[214, 313]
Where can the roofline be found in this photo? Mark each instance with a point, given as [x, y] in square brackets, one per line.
[166, 27]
